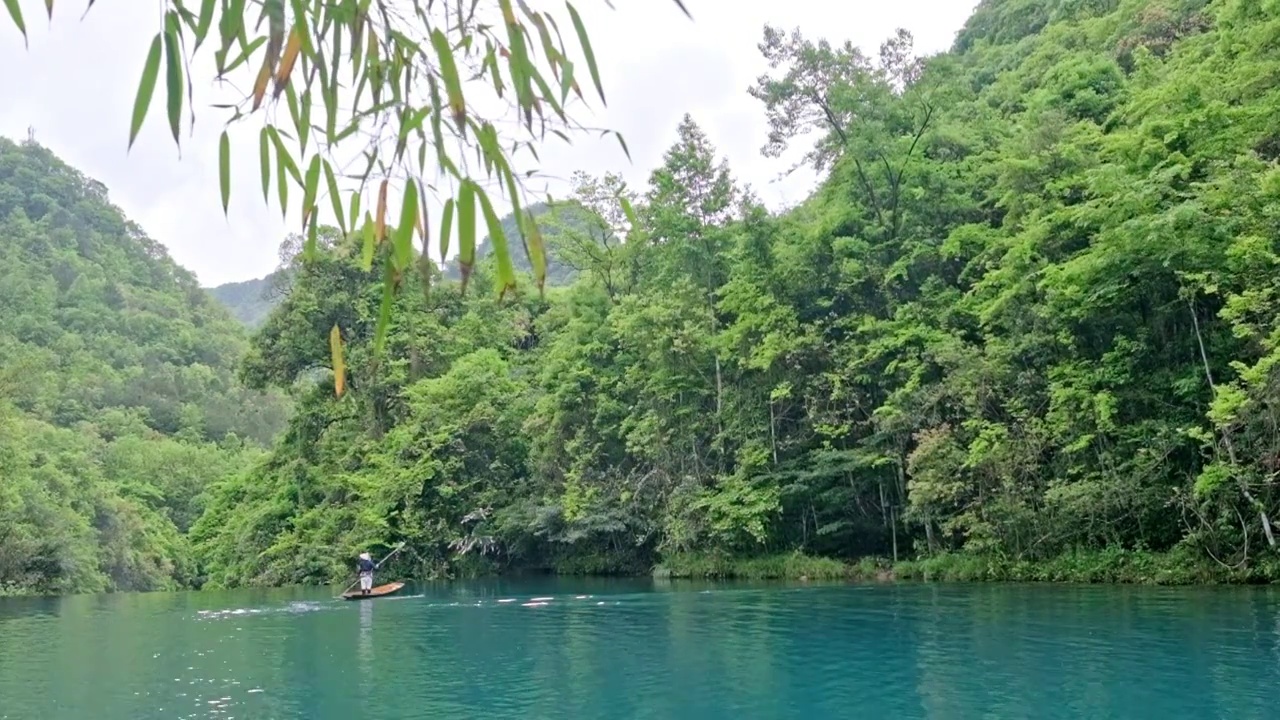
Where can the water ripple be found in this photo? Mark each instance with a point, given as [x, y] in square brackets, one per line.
[578, 649]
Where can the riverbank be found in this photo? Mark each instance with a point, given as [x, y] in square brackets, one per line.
[1111, 566]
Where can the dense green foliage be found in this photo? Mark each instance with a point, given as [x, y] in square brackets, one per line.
[119, 403]
[1030, 312]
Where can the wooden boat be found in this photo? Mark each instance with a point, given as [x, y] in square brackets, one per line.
[380, 591]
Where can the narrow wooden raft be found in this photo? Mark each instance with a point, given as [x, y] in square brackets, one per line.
[380, 591]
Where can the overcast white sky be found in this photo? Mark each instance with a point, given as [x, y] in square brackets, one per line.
[75, 86]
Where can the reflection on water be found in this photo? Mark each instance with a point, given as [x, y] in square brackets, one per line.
[639, 649]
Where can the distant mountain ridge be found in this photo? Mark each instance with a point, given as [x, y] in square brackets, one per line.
[250, 301]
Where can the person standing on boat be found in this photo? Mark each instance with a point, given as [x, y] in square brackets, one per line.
[365, 567]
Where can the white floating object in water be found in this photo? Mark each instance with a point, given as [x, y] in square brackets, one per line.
[534, 604]
[542, 599]
[507, 600]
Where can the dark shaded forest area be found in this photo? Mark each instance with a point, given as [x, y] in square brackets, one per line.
[1025, 328]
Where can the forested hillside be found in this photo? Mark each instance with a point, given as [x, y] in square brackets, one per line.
[1030, 313]
[119, 403]
[251, 301]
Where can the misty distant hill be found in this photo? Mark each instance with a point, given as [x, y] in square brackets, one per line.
[251, 301]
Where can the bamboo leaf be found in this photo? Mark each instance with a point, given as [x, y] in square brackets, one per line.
[15, 12]
[48, 6]
[587, 53]
[309, 249]
[146, 88]
[623, 143]
[446, 228]
[304, 125]
[370, 241]
[402, 242]
[354, 205]
[224, 170]
[466, 229]
[244, 55]
[335, 197]
[628, 211]
[536, 249]
[282, 175]
[501, 250]
[231, 24]
[452, 82]
[380, 215]
[339, 364]
[424, 219]
[283, 156]
[264, 157]
[310, 188]
[173, 80]
[202, 25]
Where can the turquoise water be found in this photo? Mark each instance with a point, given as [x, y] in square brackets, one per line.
[596, 649]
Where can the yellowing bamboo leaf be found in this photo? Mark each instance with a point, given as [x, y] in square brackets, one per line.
[287, 61]
[339, 364]
[48, 6]
[260, 85]
[146, 88]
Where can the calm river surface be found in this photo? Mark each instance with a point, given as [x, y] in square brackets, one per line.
[548, 648]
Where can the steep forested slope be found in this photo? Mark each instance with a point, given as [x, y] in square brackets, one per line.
[1030, 314]
[118, 398]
